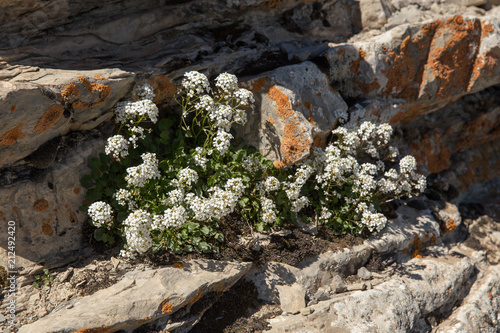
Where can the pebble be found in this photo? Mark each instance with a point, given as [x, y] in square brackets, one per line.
[306, 311]
[364, 274]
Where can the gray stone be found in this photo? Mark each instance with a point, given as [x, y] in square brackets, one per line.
[152, 294]
[292, 298]
[296, 110]
[364, 274]
[47, 212]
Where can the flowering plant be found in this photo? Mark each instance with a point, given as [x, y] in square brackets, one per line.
[157, 187]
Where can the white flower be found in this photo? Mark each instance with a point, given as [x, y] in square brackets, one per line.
[101, 214]
[251, 163]
[240, 116]
[199, 159]
[130, 112]
[187, 177]
[236, 186]
[298, 204]
[175, 197]
[116, 146]
[222, 201]
[124, 198]
[244, 97]
[268, 209]
[205, 102]
[222, 141]
[137, 231]
[408, 164]
[171, 218]
[144, 91]
[226, 82]
[136, 133]
[271, 184]
[139, 175]
[325, 214]
[195, 83]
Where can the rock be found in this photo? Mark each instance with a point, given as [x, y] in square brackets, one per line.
[337, 284]
[480, 310]
[152, 294]
[321, 295]
[443, 60]
[357, 286]
[292, 298]
[374, 13]
[296, 110]
[270, 277]
[306, 311]
[47, 103]
[364, 274]
[440, 283]
[46, 211]
[115, 262]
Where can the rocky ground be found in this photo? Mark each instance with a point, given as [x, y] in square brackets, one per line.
[430, 68]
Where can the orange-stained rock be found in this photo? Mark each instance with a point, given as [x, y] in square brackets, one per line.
[48, 119]
[12, 136]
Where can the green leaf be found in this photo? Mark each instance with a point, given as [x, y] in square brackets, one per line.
[98, 234]
[86, 181]
[36, 285]
[205, 230]
[95, 163]
[46, 282]
[46, 271]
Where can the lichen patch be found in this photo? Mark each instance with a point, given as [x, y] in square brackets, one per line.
[48, 119]
[284, 108]
[12, 136]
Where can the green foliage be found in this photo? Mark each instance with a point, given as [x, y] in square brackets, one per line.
[44, 279]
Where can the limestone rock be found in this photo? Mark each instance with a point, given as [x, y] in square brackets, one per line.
[292, 298]
[480, 310]
[142, 297]
[296, 110]
[426, 65]
[46, 103]
[46, 211]
[374, 13]
[439, 284]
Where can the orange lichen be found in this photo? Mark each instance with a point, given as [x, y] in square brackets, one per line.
[486, 29]
[72, 217]
[452, 64]
[166, 307]
[12, 108]
[196, 297]
[12, 136]
[177, 264]
[104, 92]
[433, 239]
[405, 65]
[270, 121]
[487, 64]
[450, 225]
[417, 247]
[294, 143]
[432, 151]
[46, 228]
[48, 119]
[163, 88]
[41, 205]
[71, 90]
[257, 85]
[76, 190]
[318, 142]
[284, 109]
[279, 164]
[100, 77]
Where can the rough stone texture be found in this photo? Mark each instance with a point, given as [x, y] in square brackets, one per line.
[292, 298]
[480, 311]
[45, 207]
[425, 66]
[143, 297]
[398, 305]
[47, 103]
[296, 109]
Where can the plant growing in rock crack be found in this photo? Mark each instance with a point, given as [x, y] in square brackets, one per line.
[165, 186]
[45, 279]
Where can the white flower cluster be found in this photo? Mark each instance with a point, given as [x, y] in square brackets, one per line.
[139, 175]
[144, 91]
[117, 146]
[136, 133]
[227, 83]
[199, 158]
[171, 218]
[137, 232]
[187, 177]
[195, 83]
[124, 198]
[338, 166]
[269, 211]
[251, 164]
[130, 112]
[101, 214]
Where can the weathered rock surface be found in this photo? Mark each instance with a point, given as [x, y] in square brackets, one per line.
[46, 103]
[45, 207]
[142, 297]
[296, 110]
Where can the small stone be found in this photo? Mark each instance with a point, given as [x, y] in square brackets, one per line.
[292, 298]
[91, 267]
[2, 318]
[65, 275]
[364, 274]
[337, 285]
[321, 295]
[306, 311]
[357, 286]
[115, 262]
